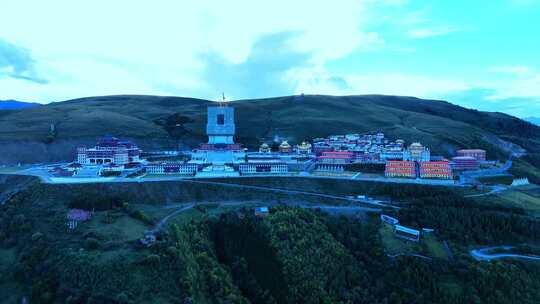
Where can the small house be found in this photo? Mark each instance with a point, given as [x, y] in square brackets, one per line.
[78, 215]
[262, 211]
[389, 220]
[407, 233]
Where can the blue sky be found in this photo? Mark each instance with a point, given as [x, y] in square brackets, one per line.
[480, 54]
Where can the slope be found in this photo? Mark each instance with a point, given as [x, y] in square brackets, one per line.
[168, 122]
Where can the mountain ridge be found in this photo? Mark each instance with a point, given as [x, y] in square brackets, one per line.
[11, 104]
[533, 120]
[168, 122]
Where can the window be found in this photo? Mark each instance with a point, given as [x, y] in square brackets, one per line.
[220, 119]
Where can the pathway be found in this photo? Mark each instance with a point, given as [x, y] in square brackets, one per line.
[164, 220]
[494, 190]
[328, 208]
[483, 254]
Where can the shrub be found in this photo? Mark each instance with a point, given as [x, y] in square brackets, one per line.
[201, 208]
[92, 244]
[37, 236]
[151, 260]
[122, 298]
[138, 214]
[92, 202]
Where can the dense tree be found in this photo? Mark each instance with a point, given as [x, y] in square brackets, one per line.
[291, 256]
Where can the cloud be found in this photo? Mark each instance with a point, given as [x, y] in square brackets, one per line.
[524, 3]
[517, 70]
[171, 47]
[320, 81]
[421, 33]
[482, 99]
[516, 82]
[245, 48]
[338, 82]
[16, 62]
[261, 74]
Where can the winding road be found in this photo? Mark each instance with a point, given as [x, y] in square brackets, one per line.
[494, 190]
[327, 208]
[483, 254]
[161, 224]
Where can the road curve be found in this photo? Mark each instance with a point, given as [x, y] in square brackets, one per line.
[495, 189]
[482, 254]
[164, 220]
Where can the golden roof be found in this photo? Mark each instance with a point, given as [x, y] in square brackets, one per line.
[284, 144]
[304, 145]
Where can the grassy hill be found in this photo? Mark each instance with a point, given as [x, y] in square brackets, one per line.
[15, 105]
[168, 122]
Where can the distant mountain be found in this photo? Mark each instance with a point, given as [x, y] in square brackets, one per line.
[15, 105]
[534, 120]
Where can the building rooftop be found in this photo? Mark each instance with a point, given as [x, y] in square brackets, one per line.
[472, 150]
[261, 209]
[407, 230]
[463, 158]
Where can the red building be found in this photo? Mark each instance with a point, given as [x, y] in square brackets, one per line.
[368, 158]
[337, 157]
[464, 163]
[479, 154]
[435, 169]
[320, 147]
[397, 168]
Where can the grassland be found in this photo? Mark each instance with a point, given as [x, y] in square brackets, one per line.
[525, 168]
[496, 180]
[395, 245]
[122, 228]
[434, 247]
[523, 197]
[166, 122]
[428, 245]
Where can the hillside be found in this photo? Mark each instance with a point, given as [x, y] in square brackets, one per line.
[15, 105]
[217, 253]
[167, 122]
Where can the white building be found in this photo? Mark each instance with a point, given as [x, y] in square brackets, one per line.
[109, 150]
[263, 168]
[172, 168]
[220, 126]
[417, 152]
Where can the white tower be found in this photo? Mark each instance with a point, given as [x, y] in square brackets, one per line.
[220, 126]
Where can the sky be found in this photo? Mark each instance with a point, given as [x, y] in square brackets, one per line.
[479, 54]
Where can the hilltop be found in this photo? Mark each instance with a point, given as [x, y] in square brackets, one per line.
[52, 132]
[15, 105]
[533, 120]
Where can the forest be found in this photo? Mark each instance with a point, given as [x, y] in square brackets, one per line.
[293, 255]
